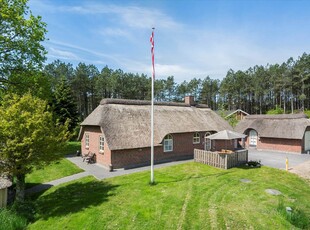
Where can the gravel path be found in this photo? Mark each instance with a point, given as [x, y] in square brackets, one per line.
[303, 170]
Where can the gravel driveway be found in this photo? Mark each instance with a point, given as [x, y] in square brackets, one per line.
[298, 163]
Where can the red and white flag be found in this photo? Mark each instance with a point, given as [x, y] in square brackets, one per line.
[152, 51]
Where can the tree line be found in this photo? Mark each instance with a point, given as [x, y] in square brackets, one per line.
[284, 87]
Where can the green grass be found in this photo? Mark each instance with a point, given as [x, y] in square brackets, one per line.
[59, 169]
[186, 196]
[9, 220]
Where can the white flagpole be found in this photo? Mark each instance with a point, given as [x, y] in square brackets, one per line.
[152, 110]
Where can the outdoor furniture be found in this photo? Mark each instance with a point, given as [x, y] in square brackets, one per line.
[91, 158]
[84, 156]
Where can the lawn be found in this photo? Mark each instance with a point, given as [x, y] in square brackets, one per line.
[186, 196]
[56, 170]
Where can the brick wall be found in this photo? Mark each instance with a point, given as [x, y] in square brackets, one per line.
[94, 132]
[218, 145]
[183, 148]
[278, 144]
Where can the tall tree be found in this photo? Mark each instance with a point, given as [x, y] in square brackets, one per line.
[29, 137]
[64, 105]
[58, 70]
[21, 51]
[170, 88]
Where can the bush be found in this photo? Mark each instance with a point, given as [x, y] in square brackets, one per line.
[10, 220]
[276, 111]
[25, 209]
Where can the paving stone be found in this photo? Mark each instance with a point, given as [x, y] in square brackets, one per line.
[245, 180]
[273, 192]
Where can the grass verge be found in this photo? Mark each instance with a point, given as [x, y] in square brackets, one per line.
[186, 196]
[56, 170]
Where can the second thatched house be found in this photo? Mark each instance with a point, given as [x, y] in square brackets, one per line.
[285, 132]
[118, 131]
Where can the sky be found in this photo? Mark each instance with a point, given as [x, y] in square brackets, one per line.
[196, 38]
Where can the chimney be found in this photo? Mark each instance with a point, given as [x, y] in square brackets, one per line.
[190, 100]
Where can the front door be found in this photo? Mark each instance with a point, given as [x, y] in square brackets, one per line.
[253, 138]
[307, 140]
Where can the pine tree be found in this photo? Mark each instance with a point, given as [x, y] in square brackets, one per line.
[64, 105]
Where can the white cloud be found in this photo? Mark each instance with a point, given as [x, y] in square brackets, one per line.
[131, 16]
[115, 32]
[62, 54]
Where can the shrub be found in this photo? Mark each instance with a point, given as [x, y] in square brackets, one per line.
[10, 220]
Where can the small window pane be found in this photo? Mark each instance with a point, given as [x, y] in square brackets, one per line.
[86, 140]
[101, 143]
[196, 138]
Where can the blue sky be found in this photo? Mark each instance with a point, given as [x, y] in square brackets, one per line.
[195, 38]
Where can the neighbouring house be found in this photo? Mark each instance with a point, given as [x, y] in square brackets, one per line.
[118, 131]
[237, 114]
[284, 132]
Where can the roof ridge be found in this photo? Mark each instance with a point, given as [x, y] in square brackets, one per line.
[107, 101]
[277, 116]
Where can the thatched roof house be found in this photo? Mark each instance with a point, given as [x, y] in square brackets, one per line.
[284, 132]
[125, 125]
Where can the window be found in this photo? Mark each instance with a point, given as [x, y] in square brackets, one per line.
[101, 144]
[86, 140]
[168, 143]
[207, 142]
[196, 138]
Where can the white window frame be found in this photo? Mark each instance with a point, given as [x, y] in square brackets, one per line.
[208, 143]
[168, 143]
[196, 138]
[87, 140]
[101, 143]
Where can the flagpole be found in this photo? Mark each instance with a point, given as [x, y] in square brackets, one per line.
[152, 107]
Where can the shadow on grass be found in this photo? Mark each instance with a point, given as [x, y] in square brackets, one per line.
[73, 198]
[30, 185]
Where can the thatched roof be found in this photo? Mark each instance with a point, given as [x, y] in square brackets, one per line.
[126, 123]
[288, 126]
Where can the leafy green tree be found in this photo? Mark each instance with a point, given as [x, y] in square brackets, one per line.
[20, 42]
[29, 137]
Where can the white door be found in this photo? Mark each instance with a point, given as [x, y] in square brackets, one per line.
[307, 140]
[253, 138]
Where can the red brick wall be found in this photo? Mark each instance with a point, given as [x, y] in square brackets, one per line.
[278, 144]
[183, 148]
[94, 133]
[218, 145]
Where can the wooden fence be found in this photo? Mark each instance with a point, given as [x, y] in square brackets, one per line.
[221, 160]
